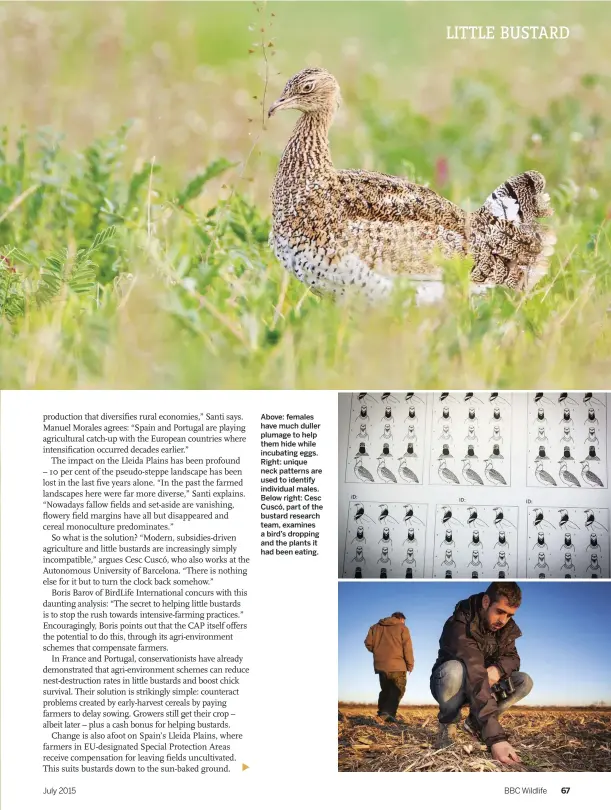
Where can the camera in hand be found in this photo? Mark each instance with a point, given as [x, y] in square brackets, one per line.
[503, 688]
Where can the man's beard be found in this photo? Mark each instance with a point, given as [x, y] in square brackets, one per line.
[492, 627]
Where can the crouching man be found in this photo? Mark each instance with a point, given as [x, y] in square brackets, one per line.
[478, 665]
[391, 644]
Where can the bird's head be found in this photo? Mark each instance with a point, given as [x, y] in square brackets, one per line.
[311, 90]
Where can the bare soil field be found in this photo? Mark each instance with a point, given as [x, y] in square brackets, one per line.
[546, 738]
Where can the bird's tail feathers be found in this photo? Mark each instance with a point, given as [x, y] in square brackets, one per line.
[520, 199]
[509, 244]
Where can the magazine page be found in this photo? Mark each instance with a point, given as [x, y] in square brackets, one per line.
[304, 328]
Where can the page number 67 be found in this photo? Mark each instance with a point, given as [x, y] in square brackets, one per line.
[564, 790]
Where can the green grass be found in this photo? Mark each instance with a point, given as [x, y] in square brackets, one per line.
[138, 237]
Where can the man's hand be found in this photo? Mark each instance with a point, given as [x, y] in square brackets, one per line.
[494, 676]
[503, 752]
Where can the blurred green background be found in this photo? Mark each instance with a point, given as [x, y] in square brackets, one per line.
[183, 290]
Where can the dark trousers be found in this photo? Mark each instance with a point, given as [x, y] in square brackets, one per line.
[392, 689]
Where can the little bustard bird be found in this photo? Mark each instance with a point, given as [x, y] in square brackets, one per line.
[474, 520]
[496, 397]
[540, 519]
[591, 521]
[589, 477]
[470, 476]
[494, 476]
[406, 474]
[565, 521]
[543, 477]
[362, 473]
[353, 228]
[500, 521]
[386, 475]
[446, 474]
[360, 514]
[589, 397]
[385, 514]
[448, 517]
[410, 516]
[567, 477]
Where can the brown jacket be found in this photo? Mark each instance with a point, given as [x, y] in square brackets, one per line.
[391, 644]
[465, 638]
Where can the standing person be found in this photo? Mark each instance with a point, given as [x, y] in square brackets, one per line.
[391, 644]
[477, 650]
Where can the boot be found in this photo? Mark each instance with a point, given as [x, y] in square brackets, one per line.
[471, 727]
[446, 734]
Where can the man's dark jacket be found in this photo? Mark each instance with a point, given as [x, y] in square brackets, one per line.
[465, 638]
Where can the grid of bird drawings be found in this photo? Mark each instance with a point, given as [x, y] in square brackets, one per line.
[385, 540]
[386, 438]
[568, 543]
[567, 440]
[515, 484]
[475, 542]
[471, 439]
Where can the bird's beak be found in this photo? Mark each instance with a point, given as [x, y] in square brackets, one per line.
[276, 105]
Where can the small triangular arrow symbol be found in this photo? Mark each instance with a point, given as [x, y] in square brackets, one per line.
[244, 766]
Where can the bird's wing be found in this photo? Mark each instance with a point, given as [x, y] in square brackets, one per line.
[383, 197]
[497, 476]
[593, 477]
[394, 226]
[388, 474]
[547, 477]
[365, 472]
[407, 473]
[570, 477]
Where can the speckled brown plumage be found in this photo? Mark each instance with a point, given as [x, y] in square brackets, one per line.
[337, 229]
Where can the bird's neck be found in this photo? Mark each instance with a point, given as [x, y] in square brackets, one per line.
[308, 148]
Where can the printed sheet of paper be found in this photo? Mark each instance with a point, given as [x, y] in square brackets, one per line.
[467, 484]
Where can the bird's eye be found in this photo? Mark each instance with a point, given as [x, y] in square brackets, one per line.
[308, 87]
